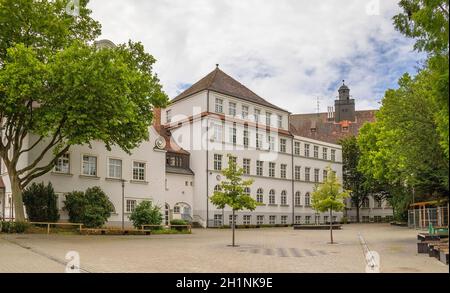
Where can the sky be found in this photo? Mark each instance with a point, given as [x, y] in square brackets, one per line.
[293, 53]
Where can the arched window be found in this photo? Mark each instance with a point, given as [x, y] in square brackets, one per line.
[283, 197]
[260, 195]
[307, 200]
[298, 199]
[272, 196]
[247, 191]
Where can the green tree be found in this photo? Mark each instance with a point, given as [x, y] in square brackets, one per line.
[146, 213]
[41, 202]
[58, 89]
[329, 196]
[232, 192]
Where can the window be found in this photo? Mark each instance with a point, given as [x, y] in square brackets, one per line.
[247, 191]
[244, 112]
[230, 219]
[297, 148]
[257, 115]
[138, 171]
[176, 209]
[307, 219]
[365, 219]
[272, 196]
[247, 219]
[325, 153]
[63, 164]
[168, 116]
[219, 105]
[217, 188]
[246, 138]
[258, 140]
[246, 166]
[259, 220]
[268, 118]
[114, 168]
[316, 175]
[232, 159]
[284, 220]
[379, 203]
[271, 142]
[217, 162]
[260, 195]
[282, 145]
[218, 132]
[307, 174]
[131, 205]
[333, 155]
[297, 199]
[217, 220]
[271, 169]
[297, 172]
[298, 219]
[283, 168]
[272, 220]
[316, 151]
[325, 175]
[365, 203]
[280, 121]
[306, 150]
[89, 165]
[259, 168]
[325, 219]
[232, 135]
[232, 109]
[307, 200]
[317, 219]
[284, 198]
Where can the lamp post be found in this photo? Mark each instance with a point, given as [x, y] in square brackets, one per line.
[123, 204]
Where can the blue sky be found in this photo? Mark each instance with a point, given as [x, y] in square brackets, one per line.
[290, 52]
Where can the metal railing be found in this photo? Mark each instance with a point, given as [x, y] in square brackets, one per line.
[423, 217]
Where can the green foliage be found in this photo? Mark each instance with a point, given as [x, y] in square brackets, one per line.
[41, 203]
[146, 213]
[178, 222]
[232, 189]
[328, 195]
[14, 227]
[92, 208]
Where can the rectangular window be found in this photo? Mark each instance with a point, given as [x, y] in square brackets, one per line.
[258, 140]
[244, 112]
[217, 220]
[272, 198]
[139, 171]
[271, 169]
[282, 145]
[325, 175]
[257, 115]
[333, 155]
[259, 168]
[247, 219]
[272, 220]
[316, 151]
[297, 148]
[217, 162]
[379, 203]
[298, 220]
[246, 138]
[307, 219]
[63, 164]
[232, 135]
[218, 132]
[131, 205]
[325, 153]
[283, 172]
[316, 175]
[114, 168]
[284, 220]
[297, 172]
[219, 105]
[306, 150]
[259, 220]
[232, 109]
[271, 142]
[268, 118]
[246, 166]
[280, 121]
[168, 116]
[325, 219]
[89, 165]
[307, 174]
[230, 219]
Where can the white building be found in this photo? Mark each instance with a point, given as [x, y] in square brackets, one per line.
[180, 166]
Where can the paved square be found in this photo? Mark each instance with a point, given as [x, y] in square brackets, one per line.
[260, 250]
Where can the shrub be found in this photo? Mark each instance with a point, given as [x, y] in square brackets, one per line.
[92, 208]
[344, 220]
[146, 213]
[41, 203]
[179, 222]
[14, 227]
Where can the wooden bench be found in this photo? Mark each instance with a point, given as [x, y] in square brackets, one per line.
[423, 246]
[433, 249]
[443, 255]
[57, 224]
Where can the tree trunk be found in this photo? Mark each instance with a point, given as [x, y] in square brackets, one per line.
[331, 225]
[16, 189]
[233, 227]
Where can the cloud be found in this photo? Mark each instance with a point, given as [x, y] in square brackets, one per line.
[290, 52]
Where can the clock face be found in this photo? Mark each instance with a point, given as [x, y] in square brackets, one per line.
[160, 143]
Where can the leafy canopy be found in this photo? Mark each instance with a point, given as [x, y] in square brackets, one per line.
[328, 195]
[146, 213]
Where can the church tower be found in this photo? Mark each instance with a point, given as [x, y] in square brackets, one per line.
[344, 106]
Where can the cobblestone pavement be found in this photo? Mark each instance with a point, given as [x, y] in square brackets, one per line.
[260, 250]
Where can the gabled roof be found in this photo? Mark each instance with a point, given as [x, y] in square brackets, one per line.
[221, 82]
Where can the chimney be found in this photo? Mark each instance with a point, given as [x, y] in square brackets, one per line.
[157, 119]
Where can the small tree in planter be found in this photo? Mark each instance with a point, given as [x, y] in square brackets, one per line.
[146, 213]
[41, 203]
[232, 192]
[329, 197]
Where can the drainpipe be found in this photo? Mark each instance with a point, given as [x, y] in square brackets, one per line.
[207, 161]
[292, 180]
